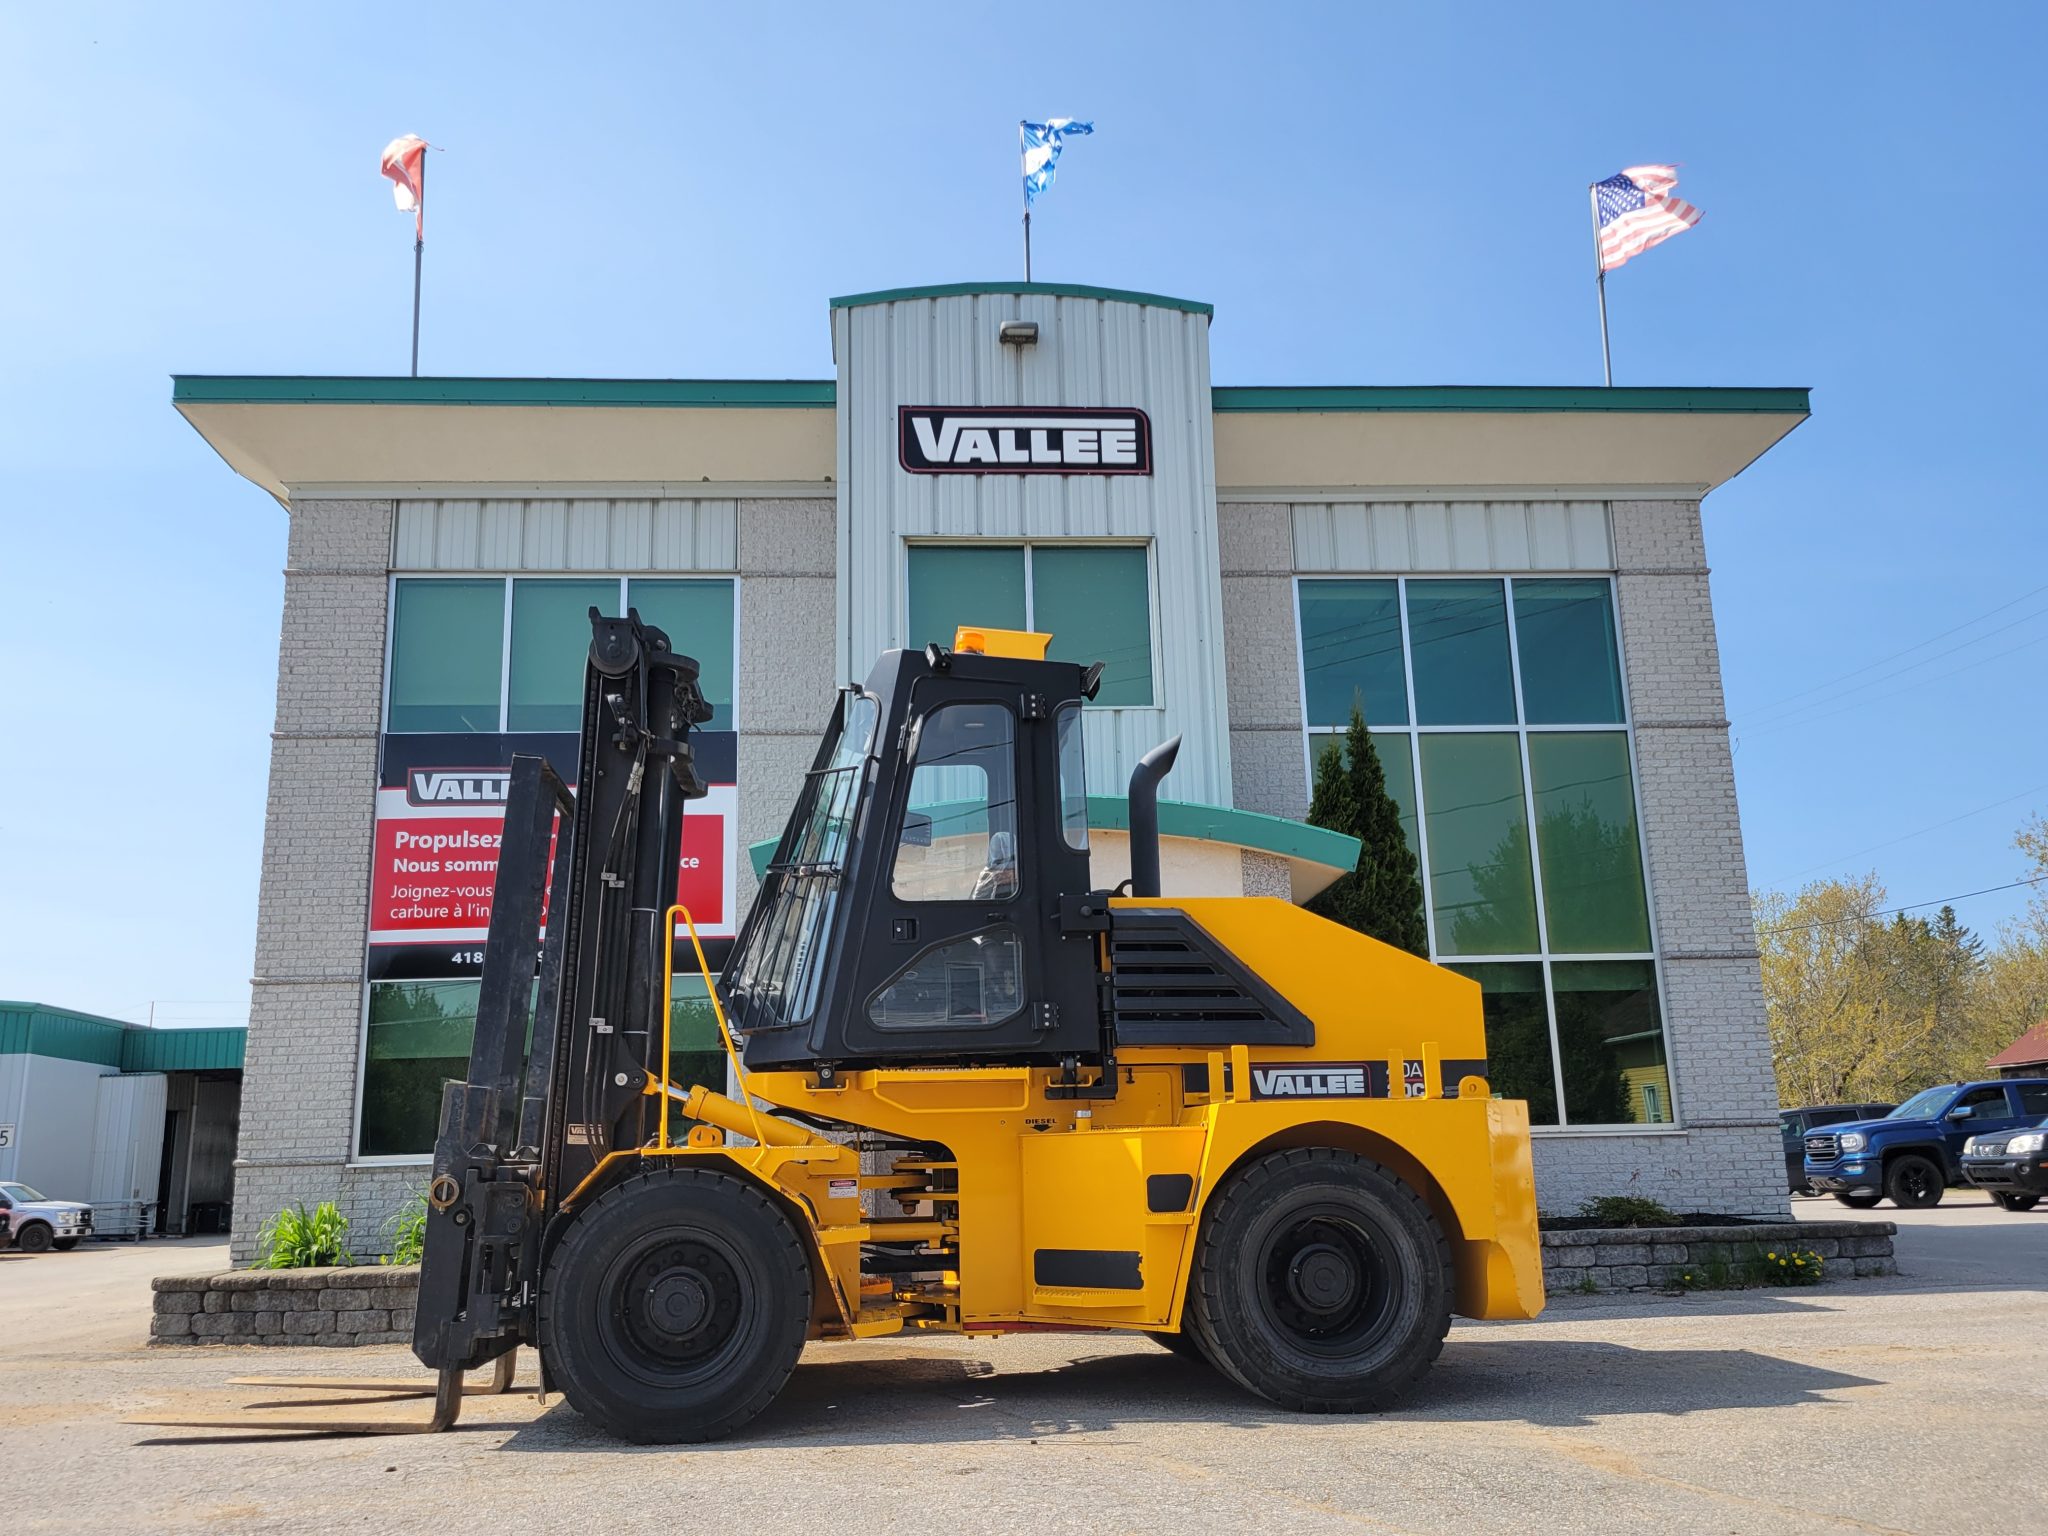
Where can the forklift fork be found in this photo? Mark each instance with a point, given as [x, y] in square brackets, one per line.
[447, 1390]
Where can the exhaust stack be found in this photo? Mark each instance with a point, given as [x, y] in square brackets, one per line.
[1144, 799]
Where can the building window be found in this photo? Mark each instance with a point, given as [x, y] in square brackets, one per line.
[419, 1038]
[1093, 599]
[447, 655]
[505, 653]
[1498, 710]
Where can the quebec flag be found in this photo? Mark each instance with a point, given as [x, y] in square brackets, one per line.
[1042, 145]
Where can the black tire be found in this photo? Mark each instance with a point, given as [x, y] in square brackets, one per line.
[2015, 1202]
[1322, 1283]
[676, 1306]
[64, 1244]
[1859, 1199]
[1914, 1183]
[36, 1237]
[1184, 1344]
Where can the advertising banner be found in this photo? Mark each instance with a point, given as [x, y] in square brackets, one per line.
[440, 811]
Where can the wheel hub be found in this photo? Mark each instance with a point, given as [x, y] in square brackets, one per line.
[1322, 1280]
[679, 1303]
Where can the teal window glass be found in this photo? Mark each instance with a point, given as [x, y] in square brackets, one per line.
[447, 645]
[971, 584]
[1593, 901]
[1481, 885]
[550, 646]
[1095, 602]
[1396, 766]
[1610, 1043]
[1399, 768]
[1351, 652]
[1458, 633]
[1571, 670]
[696, 1051]
[1518, 1061]
[419, 1039]
[697, 617]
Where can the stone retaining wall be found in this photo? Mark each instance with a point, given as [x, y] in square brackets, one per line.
[287, 1306]
[1658, 1258]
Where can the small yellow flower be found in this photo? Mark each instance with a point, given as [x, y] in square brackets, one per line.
[1770, 1255]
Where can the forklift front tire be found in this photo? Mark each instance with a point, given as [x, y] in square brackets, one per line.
[1322, 1282]
[1184, 1344]
[675, 1307]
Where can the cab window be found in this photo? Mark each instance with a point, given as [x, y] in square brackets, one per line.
[1981, 1104]
[958, 840]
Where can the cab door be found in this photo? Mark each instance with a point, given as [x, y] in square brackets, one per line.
[964, 955]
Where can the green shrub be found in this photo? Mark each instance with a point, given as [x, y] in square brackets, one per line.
[1626, 1211]
[407, 1231]
[296, 1238]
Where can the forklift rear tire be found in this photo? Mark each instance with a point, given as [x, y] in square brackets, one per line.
[1322, 1283]
[1184, 1344]
[676, 1306]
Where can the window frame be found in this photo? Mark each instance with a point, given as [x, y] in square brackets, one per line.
[1027, 545]
[624, 580]
[1411, 733]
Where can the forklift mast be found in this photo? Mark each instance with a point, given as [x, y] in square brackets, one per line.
[569, 1026]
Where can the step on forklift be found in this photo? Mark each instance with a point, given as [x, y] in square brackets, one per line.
[970, 1091]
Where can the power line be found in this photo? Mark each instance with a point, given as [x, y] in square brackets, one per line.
[1907, 837]
[1864, 917]
[1895, 655]
[1787, 722]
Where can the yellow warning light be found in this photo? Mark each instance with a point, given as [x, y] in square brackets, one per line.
[1019, 643]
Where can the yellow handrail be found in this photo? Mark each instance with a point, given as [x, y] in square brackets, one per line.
[668, 981]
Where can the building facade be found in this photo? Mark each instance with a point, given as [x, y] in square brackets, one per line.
[1509, 583]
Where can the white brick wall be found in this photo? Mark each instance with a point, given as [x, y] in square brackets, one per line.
[305, 1022]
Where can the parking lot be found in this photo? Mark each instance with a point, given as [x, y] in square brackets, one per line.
[1906, 1404]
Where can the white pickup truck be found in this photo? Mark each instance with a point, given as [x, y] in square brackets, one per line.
[38, 1225]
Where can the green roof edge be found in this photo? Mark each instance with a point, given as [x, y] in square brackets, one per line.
[310, 389]
[1509, 397]
[1205, 823]
[1049, 290]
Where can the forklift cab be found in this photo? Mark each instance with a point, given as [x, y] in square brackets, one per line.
[912, 909]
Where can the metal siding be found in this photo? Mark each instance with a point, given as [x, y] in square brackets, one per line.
[943, 351]
[1424, 536]
[54, 1124]
[550, 534]
[184, 1050]
[14, 1066]
[127, 1144]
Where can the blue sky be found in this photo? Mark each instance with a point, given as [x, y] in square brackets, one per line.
[1367, 194]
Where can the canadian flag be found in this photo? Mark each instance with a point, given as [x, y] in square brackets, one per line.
[404, 162]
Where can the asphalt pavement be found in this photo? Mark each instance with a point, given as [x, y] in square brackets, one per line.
[1913, 1403]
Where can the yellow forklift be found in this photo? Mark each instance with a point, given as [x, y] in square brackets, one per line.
[970, 1091]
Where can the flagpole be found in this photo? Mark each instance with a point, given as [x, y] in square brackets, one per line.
[1600, 282]
[419, 246]
[1025, 183]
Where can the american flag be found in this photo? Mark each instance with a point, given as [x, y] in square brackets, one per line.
[1636, 211]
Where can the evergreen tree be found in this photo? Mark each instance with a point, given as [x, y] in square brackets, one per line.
[1382, 897]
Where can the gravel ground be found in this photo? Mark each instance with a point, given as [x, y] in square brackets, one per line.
[1910, 1404]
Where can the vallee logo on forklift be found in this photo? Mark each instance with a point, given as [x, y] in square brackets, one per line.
[1330, 1080]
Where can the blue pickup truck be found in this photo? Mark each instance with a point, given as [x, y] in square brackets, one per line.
[1915, 1153]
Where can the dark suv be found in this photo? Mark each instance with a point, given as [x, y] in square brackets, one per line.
[1915, 1153]
[2012, 1166]
[1793, 1124]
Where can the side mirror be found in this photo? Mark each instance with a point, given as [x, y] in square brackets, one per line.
[1958, 1114]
